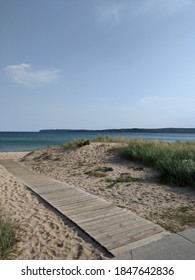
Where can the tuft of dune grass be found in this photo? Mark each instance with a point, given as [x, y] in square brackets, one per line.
[174, 161]
[8, 238]
[76, 143]
[108, 139]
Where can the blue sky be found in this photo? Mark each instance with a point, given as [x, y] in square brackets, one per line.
[96, 64]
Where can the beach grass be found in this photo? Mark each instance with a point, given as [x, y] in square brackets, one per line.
[108, 139]
[75, 143]
[174, 161]
[8, 238]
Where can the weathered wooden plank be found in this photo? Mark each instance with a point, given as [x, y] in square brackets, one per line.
[49, 184]
[67, 192]
[83, 207]
[99, 214]
[54, 192]
[134, 244]
[45, 191]
[73, 194]
[115, 231]
[76, 212]
[117, 216]
[33, 181]
[119, 223]
[77, 203]
[131, 236]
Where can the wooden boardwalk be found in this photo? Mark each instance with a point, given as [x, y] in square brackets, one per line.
[116, 229]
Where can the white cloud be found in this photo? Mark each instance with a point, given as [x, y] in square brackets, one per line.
[109, 14]
[24, 75]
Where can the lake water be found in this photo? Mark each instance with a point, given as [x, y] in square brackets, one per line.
[29, 141]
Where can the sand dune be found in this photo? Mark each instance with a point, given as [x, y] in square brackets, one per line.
[128, 185]
[98, 170]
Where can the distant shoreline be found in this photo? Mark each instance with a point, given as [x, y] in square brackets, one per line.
[122, 130]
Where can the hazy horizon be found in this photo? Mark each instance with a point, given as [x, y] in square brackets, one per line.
[122, 128]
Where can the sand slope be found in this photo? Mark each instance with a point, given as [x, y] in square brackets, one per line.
[42, 234]
[141, 190]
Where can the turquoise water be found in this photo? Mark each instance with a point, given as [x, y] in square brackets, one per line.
[29, 141]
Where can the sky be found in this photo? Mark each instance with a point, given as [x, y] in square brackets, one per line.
[96, 64]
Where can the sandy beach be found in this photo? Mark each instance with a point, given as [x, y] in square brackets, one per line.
[42, 234]
[97, 169]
